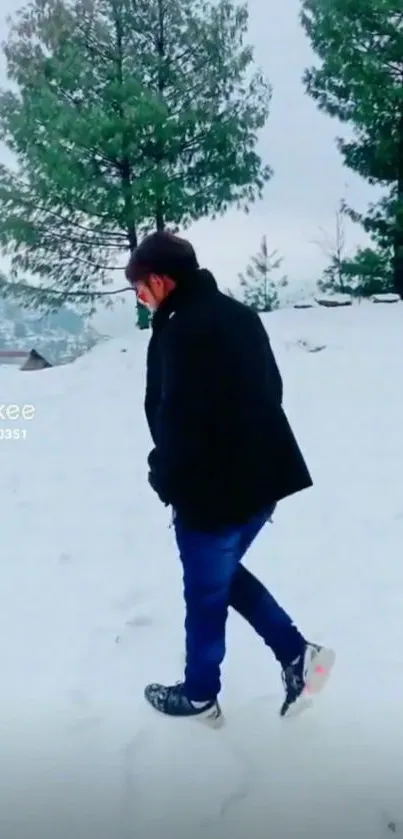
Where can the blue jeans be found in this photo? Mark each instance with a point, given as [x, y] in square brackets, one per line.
[214, 579]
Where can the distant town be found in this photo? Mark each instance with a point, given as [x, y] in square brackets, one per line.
[59, 337]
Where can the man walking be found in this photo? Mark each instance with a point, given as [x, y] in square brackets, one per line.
[224, 455]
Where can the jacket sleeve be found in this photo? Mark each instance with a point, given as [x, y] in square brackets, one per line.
[180, 426]
[274, 380]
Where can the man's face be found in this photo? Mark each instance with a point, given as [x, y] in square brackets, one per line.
[151, 293]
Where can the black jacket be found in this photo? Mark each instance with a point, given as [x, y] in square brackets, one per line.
[224, 449]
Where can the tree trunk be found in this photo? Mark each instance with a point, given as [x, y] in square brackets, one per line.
[398, 236]
[159, 215]
[398, 264]
[159, 145]
[132, 237]
[126, 173]
[143, 317]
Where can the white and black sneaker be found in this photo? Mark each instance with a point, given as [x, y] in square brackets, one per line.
[305, 676]
[172, 701]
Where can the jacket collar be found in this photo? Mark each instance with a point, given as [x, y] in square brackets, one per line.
[199, 286]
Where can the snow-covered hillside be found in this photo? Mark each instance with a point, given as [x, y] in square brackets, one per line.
[60, 336]
[91, 608]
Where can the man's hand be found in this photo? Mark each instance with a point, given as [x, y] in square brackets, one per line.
[152, 478]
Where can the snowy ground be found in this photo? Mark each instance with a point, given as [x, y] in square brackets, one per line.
[91, 608]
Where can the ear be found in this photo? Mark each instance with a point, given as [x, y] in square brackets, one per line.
[156, 283]
[159, 283]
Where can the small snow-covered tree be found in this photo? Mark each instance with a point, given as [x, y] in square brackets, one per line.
[363, 273]
[260, 288]
[334, 276]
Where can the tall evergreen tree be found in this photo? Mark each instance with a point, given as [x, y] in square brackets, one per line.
[360, 80]
[124, 116]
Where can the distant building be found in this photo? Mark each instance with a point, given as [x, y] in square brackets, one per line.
[26, 360]
[35, 361]
[13, 356]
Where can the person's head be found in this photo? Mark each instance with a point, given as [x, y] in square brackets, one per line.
[162, 262]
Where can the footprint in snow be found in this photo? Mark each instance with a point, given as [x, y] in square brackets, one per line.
[84, 725]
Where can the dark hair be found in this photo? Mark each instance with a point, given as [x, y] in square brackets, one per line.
[162, 253]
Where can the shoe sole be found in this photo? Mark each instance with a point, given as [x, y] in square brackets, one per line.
[317, 676]
[213, 718]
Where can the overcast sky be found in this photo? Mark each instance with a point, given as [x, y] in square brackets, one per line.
[299, 144]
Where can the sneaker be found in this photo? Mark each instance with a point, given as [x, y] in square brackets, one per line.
[172, 701]
[306, 675]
